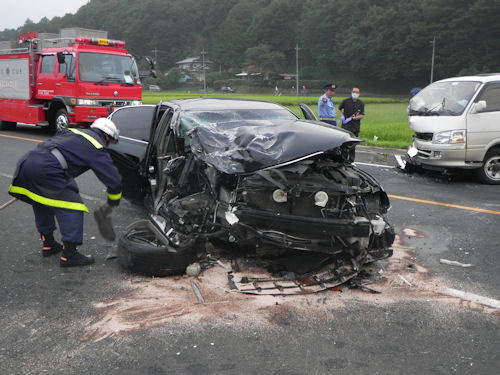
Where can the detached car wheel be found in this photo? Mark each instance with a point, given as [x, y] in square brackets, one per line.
[140, 251]
[489, 173]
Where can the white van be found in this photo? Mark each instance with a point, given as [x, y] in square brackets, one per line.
[457, 125]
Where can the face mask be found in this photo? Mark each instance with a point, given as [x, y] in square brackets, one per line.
[354, 95]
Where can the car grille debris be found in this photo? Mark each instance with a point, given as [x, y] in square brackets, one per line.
[338, 272]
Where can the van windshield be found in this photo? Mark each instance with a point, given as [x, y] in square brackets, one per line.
[106, 67]
[443, 98]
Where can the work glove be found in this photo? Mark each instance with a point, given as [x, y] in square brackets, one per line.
[103, 218]
[345, 120]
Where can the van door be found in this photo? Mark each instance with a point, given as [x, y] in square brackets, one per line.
[483, 127]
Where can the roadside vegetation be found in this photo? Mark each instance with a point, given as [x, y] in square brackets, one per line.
[385, 123]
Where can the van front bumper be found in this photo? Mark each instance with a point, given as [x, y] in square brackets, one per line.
[440, 156]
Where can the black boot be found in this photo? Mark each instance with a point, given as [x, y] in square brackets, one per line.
[50, 246]
[72, 258]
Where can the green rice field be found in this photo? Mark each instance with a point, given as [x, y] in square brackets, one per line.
[385, 123]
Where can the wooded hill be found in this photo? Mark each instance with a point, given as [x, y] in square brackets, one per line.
[368, 40]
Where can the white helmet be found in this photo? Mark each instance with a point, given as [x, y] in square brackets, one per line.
[108, 127]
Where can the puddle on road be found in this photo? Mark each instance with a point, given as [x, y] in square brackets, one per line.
[155, 302]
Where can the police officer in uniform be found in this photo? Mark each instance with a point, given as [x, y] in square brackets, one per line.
[45, 176]
[326, 108]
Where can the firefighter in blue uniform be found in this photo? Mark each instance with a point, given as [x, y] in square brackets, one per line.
[45, 176]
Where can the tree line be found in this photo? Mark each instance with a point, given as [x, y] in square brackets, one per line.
[384, 41]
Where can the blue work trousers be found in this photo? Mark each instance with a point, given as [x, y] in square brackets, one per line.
[70, 222]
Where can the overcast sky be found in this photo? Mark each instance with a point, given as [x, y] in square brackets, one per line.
[13, 13]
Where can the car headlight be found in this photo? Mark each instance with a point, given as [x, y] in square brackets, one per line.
[450, 136]
[136, 102]
[89, 102]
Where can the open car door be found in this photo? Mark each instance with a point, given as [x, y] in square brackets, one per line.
[306, 111]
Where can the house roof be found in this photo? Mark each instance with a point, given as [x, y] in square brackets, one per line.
[192, 60]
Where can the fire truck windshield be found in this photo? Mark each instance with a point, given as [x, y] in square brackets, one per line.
[103, 67]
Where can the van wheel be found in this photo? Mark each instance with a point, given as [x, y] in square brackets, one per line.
[489, 173]
[7, 125]
[61, 120]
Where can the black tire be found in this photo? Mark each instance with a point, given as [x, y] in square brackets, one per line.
[7, 125]
[138, 253]
[60, 120]
[489, 173]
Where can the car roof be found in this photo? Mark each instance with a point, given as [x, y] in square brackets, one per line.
[203, 104]
[487, 77]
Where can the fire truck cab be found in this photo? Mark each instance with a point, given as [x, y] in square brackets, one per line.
[65, 80]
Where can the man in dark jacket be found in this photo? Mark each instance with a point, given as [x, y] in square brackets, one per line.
[353, 110]
[45, 176]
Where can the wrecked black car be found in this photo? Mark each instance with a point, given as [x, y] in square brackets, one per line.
[246, 173]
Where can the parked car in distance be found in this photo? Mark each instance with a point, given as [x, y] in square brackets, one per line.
[227, 89]
[456, 122]
[154, 88]
[248, 173]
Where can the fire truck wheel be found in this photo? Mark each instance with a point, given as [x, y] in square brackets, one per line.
[7, 125]
[61, 120]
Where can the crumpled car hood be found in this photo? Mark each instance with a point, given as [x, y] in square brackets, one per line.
[249, 146]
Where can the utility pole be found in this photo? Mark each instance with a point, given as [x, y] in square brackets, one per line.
[297, 68]
[433, 41]
[203, 67]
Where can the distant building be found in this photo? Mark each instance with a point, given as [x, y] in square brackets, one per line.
[250, 72]
[193, 67]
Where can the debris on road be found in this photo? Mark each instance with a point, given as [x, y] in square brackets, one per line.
[197, 292]
[193, 269]
[455, 263]
[8, 203]
[406, 281]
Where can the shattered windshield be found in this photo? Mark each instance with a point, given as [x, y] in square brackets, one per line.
[107, 68]
[193, 119]
[443, 99]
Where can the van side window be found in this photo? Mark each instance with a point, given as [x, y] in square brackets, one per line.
[47, 64]
[491, 94]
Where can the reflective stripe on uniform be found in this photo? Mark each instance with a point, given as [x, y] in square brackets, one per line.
[47, 201]
[115, 197]
[89, 138]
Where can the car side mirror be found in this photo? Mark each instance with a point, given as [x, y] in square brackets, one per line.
[60, 58]
[480, 106]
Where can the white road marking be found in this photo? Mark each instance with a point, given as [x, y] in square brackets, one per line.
[374, 165]
[473, 298]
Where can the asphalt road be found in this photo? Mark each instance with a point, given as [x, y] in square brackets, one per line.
[102, 320]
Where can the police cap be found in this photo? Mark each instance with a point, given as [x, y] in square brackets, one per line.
[330, 86]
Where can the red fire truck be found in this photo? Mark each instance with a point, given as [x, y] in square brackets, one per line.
[65, 79]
